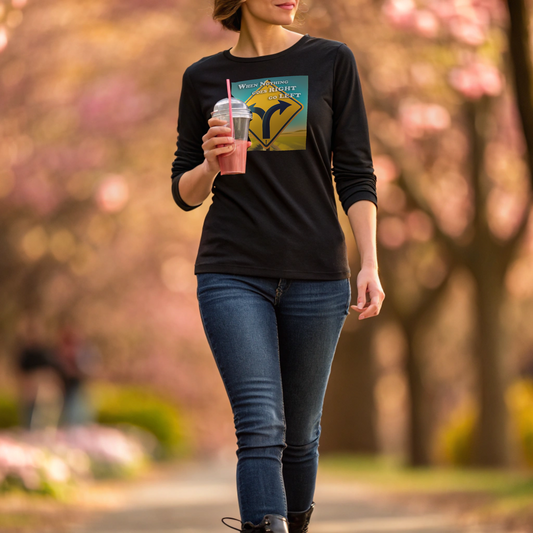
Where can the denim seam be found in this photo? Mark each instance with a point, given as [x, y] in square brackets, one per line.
[347, 312]
[284, 434]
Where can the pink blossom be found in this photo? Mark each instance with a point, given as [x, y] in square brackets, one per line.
[444, 10]
[468, 21]
[36, 190]
[392, 232]
[105, 444]
[399, 12]
[57, 470]
[3, 38]
[490, 79]
[426, 23]
[419, 119]
[465, 81]
[113, 104]
[467, 31]
[419, 226]
[437, 118]
[38, 456]
[112, 194]
[476, 79]
[385, 169]
[505, 210]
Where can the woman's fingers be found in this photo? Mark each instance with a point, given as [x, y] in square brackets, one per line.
[216, 131]
[214, 142]
[216, 146]
[215, 152]
[216, 122]
[217, 141]
[370, 295]
[372, 309]
[362, 288]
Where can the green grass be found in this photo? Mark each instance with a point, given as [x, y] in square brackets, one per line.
[17, 520]
[510, 491]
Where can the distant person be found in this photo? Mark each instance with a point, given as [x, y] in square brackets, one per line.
[272, 266]
[35, 363]
[76, 360]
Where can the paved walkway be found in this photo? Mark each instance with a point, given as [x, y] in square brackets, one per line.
[191, 498]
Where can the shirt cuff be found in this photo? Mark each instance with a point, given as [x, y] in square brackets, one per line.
[357, 197]
[177, 197]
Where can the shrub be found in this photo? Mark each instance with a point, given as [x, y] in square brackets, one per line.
[31, 468]
[9, 414]
[119, 405]
[456, 438]
[53, 462]
[520, 402]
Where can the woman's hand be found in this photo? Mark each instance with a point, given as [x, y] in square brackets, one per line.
[217, 141]
[370, 294]
[195, 185]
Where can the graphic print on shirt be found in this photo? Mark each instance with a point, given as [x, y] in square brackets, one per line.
[279, 108]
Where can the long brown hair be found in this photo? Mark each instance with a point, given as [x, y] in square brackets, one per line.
[228, 13]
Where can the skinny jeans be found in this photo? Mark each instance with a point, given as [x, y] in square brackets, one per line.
[273, 341]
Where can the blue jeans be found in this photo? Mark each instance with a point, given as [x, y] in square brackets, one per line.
[273, 341]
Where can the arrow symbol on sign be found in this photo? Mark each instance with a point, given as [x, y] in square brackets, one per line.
[257, 110]
[281, 106]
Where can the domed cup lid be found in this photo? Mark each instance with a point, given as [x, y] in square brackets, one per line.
[238, 108]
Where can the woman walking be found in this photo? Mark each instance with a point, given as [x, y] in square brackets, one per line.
[272, 269]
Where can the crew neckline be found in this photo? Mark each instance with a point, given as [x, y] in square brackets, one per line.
[305, 37]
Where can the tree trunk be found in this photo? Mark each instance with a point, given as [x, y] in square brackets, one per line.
[488, 262]
[349, 410]
[491, 446]
[418, 431]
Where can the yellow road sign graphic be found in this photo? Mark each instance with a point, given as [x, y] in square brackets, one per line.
[273, 109]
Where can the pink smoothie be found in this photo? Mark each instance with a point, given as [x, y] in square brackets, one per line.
[234, 162]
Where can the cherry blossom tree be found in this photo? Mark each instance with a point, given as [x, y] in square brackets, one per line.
[453, 189]
[89, 98]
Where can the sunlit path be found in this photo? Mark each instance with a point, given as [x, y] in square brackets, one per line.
[192, 498]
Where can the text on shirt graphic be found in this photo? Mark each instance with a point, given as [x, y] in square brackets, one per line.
[279, 111]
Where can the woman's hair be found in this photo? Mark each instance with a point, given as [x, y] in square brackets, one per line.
[228, 13]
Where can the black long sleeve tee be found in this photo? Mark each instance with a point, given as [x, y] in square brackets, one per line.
[280, 218]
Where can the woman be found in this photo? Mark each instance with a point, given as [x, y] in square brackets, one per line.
[272, 271]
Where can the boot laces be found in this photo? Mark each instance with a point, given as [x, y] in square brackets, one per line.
[235, 520]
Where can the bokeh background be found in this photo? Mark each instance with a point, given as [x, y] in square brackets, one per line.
[96, 261]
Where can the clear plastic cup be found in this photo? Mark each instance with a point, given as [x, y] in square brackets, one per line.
[234, 162]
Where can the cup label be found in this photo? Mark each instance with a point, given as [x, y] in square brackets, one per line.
[279, 107]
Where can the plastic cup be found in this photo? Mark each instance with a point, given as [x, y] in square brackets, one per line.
[235, 161]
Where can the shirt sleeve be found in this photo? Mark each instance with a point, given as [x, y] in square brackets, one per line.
[352, 159]
[191, 128]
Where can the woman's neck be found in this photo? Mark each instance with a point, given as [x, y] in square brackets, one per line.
[263, 39]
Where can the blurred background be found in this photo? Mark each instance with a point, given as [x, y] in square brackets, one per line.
[101, 343]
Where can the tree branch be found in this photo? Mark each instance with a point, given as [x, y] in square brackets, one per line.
[519, 46]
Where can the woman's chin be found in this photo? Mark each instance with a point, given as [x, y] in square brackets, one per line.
[284, 20]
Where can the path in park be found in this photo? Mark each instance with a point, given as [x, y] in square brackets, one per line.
[191, 498]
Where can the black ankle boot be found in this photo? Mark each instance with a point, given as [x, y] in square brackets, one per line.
[271, 523]
[299, 522]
